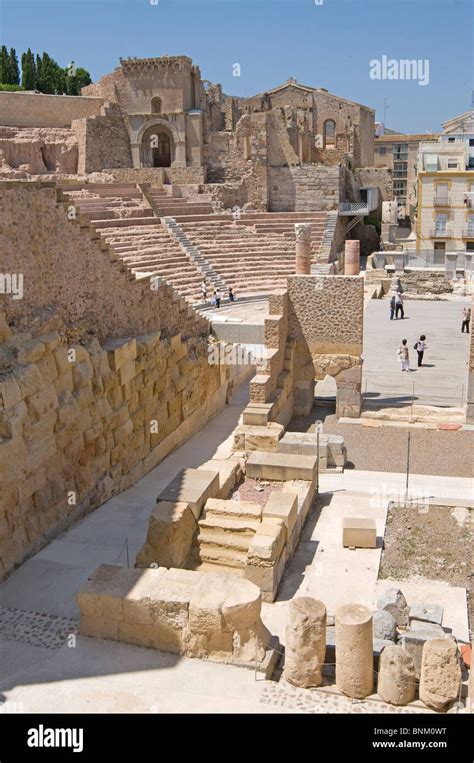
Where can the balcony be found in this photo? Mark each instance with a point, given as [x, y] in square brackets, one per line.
[441, 232]
[347, 208]
[441, 201]
[468, 232]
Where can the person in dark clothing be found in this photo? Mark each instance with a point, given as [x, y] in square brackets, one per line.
[231, 294]
[466, 319]
[392, 306]
[399, 305]
[217, 295]
[420, 347]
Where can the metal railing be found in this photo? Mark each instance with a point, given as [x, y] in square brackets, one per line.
[441, 232]
[354, 208]
[441, 201]
[468, 232]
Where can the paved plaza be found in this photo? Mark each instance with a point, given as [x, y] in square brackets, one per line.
[442, 380]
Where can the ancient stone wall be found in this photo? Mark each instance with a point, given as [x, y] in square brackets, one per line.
[41, 110]
[82, 422]
[71, 277]
[307, 188]
[103, 141]
[379, 177]
[426, 282]
[36, 151]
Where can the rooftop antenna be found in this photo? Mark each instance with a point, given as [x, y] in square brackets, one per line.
[386, 106]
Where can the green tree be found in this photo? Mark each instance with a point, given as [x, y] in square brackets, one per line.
[83, 77]
[5, 67]
[28, 70]
[14, 67]
[72, 86]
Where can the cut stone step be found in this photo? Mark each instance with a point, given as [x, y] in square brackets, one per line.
[223, 523]
[218, 507]
[221, 555]
[238, 541]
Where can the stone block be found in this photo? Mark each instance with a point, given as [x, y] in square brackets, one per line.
[414, 641]
[192, 486]
[359, 532]
[281, 466]
[264, 438]
[127, 372]
[427, 613]
[441, 676]
[10, 391]
[385, 625]
[170, 534]
[394, 602]
[283, 506]
[267, 543]
[120, 351]
[396, 676]
[98, 627]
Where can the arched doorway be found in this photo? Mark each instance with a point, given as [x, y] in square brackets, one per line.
[157, 147]
[329, 136]
[161, 149]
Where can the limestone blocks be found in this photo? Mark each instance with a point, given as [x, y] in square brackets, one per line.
[354, 650]
[440, 681]
[211, 615]
[397, 679]
[305, 642]
[170, 534]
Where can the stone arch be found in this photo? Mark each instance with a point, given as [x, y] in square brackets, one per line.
[329, 133]
[157, 140]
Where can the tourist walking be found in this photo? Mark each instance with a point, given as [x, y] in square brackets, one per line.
[466, 319]
[392, 306]
[231, 295]
[420, 347]
[213, 300]
[217, 295]
[404, 356]
[204, 290]
[399, 305]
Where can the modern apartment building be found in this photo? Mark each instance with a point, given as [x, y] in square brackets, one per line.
[446, 189]
[399, 153]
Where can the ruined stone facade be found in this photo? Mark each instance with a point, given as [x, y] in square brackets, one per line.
[293, 148]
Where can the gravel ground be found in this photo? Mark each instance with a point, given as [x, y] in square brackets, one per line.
[432, 542]
[247, 491]
[384, 449]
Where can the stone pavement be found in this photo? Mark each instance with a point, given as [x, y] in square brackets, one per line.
[442, 381]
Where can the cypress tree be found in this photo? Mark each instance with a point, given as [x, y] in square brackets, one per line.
[14, 68]
[5, 67]
[28, 70]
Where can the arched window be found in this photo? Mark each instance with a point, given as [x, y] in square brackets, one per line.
[156, 105]
[329, 133]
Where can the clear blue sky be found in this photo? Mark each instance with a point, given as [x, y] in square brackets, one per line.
[328, 45]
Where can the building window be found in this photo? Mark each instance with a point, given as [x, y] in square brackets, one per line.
[471, 141]
[451, 140]
[383, 150]
[156, 105]
[400, 152]
[440, 224]
[452, 164]
[329, 133]
[400, 169]
[431, 162]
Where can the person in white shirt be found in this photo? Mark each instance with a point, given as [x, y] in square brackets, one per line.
[404, 356]
[420, 347]
[399, 305]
